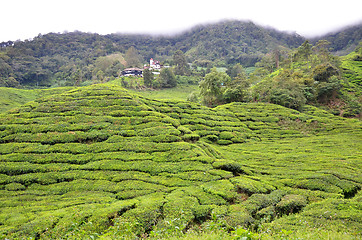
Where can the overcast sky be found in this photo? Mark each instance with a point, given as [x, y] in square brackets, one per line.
[24, 19]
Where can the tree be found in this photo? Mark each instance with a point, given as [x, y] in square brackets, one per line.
[167, 78]
[236, 94]
[329, 90]
[5, 68]
[77, 76]
[288, 89]
[321, 48]
[323, 72]
[276, 54]
[115, 69]
[212, 87]
[193, 97]
[181, 66]
[290, 97]
[100, 75]
[358, 50]
[11, 82]
[147, 78]
[132, 57]
[266, 64]
[304, 51]
[236, 71]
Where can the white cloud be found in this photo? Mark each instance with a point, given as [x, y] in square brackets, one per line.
[26, 18]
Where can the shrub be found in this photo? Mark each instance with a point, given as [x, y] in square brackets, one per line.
[291, 204]
[177, 202]
[203, 197]
[349, 188]
[184, 130]
[224, 142]
[288, 98]
[226, 135]
[211, 138]
[14, 187]
[237, 140]
[166, 138]
[317, 184]
[250, 186]
[238, 217]
[158, 130]
[268, 213]
[191, 137]
[228, 165]
[223, 188]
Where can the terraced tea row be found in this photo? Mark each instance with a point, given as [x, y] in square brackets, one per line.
[99, 160]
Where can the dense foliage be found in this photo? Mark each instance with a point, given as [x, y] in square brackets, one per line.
[99, 161]
[344, 40]
[76, 58]
[307, 75]
[311, 75]
[265, 162]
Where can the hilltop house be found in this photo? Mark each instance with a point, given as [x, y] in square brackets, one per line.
[132, 72]
[155, 64]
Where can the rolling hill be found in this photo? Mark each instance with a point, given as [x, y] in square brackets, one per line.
[343, 41]
[64, 59]
[101, 162]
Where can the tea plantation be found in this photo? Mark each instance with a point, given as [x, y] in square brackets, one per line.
[101, 162]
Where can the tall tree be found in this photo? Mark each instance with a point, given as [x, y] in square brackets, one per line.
[181, 66]
[132, 57]
[305, 50]
[167, 78]
[276, 53]
[212, 87]
[321, 48]
[147, 77]
[237, 88]
[236, 70]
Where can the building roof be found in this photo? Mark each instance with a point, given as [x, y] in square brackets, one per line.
[133, 69]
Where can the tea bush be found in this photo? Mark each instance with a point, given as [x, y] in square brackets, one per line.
[222, 188]
[228, 165]
[99, 161]
[238, 217]
[249, 185]
[14, 187]
[291, 204]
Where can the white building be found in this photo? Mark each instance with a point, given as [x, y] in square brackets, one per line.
[155, 64]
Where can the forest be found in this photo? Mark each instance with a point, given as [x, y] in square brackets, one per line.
[253, 56]
[244, 133]
[58, 59]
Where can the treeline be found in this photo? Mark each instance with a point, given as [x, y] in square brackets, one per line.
[73, 58]
[343, 41]
[78, 58]
[64, 58]
[307, 75]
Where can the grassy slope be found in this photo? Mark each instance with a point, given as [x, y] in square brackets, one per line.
[353, 71]
[100, 160]
[13, 97]
[178, 93]
[181, 92]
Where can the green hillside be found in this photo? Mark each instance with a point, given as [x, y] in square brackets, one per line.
[344, 40]
[13, 97]
[71, 58]
[102, 162]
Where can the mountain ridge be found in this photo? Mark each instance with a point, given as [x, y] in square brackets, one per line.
[67, 57]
